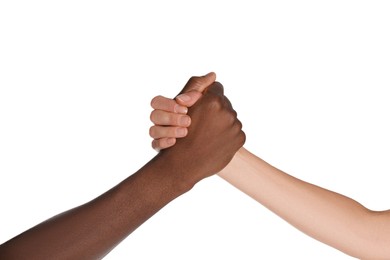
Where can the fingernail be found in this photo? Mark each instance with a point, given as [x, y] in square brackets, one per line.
[184, 121]
[183, 98]
[181, 109]
[181, 132]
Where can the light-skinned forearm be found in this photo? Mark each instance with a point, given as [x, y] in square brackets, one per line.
[322, 214]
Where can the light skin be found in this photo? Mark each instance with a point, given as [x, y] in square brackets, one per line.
[329, 217]
[92, 230]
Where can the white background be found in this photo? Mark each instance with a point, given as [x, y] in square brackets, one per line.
[309, 80]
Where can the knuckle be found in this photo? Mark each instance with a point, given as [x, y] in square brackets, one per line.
[174, 119]
[242, 138]
[239, 124]
[215, 102]
[216, 88]
[155, 101]
[229, 119]
[169, 105]
[164, 143]
[152, 131]
[234, 113]
[166, 119]
[153, 116]
[157, 131]
[160, 144]
[154, 145]
[236, 128]
[232, 117]
[172, 132]
[157, 117]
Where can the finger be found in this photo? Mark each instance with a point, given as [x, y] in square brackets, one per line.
[189, 98]
[157, 132]
[216, 88]
[167, 104]
[199, 83]
[163, 143]
[159, 117]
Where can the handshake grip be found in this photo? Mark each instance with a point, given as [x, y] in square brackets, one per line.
[213, 138]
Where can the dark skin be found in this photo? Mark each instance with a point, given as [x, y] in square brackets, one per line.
[92, 230]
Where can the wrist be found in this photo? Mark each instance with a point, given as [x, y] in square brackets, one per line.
[173, 171]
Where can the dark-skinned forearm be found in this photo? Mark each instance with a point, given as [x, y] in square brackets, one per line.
[90, 231]
[93, 229]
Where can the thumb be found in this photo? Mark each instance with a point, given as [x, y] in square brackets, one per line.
[199, 83]
[189, 98]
